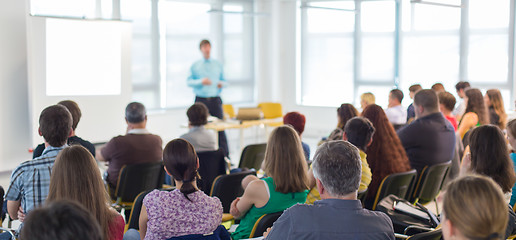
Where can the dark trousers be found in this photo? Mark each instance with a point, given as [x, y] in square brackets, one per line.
[214, 105]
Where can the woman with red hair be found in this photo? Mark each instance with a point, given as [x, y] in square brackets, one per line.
[297, 121]
[386, 154]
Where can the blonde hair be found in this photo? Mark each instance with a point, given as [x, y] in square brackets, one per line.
[495, 97]
[475, 205]
[285, 161]
[76, 177]
[368, 98]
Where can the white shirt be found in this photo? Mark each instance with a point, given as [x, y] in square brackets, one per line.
[397, 114]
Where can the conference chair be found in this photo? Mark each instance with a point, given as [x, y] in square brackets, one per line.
[228, 110]
[211, 165]
[134, 179]
[264, 222]
[271, 110]
[429, 183]
[219, 234]
[134, 217]
[252, 156]
[431, 235]
[397, 184]
[228, 187]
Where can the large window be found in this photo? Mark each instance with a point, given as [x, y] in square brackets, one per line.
[398, 43]
[166, 43]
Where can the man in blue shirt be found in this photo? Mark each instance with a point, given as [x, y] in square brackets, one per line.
[207, 80]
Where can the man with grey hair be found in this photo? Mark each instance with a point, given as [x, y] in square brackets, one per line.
[339, 215]
[137, 146]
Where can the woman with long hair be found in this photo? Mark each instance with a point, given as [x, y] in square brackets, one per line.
[476, 111]
[345, 112]
[494, 101]
[285, 186]
[183, 211]
[386, 154]
[473, 208]
[76, 177]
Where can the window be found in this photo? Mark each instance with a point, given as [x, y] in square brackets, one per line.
[166, 44]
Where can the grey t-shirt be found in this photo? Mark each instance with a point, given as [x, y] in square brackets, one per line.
[202, 139]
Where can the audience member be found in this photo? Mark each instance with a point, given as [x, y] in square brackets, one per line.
[366, 99]
[395, 112]
[29, 184]
[61, 220]
[285, 185]
[475, 114]
[494, 101]
[511, 133]
[297, 121]
[386, 154]
[202, 139]
[446, 105]
[76, 177]
[76, 117]
[438, 88]
[438, 143]
[359, 132]
[473, 208]
[345, 112]
[137, 146]
[339, 215]
[410, 110]
[184, 211]
[461, 88]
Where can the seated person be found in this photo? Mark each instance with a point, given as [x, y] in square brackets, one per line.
[29, 184]
[76, 177]
[285, 185]
[462, 216]
[359, 132]
[339, 215]
[76, 117]
[396, 114]
[137, 146]
[438, 88]
[411, 115]
[511, 138]
[475, 114]
[202, 139]
[183, 211]
[366, 99]
[345, 112]
[297, 121]
[494, 102]
[61, 220]
[446, 105]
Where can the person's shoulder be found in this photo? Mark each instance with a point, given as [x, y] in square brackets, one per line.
[377, 218]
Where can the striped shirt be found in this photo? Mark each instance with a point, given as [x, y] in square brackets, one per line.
[30, 180]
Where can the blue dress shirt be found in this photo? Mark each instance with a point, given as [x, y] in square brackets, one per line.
[206, 68]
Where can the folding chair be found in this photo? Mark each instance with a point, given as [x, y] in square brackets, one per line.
[429, 183]
[211, 165]
[397, 184]
[264, 222]
[252, 156]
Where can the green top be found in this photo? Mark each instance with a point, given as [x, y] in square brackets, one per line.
[277, 203]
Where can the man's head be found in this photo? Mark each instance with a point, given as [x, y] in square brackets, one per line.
[337, 169]
[425, 102]
[359, 131]
[74, 110]
[135, 113]
[461, 88]
[413, 89]
[446, 102]
[55, 125]
[296, 120]
[395, 97]
[197, 114]
[61, 220]
[205, 47]
[438, 87]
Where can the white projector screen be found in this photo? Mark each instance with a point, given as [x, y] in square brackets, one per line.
[83, 57]
[87, 61]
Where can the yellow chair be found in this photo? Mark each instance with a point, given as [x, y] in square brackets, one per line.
[271, 110]
[228, 110]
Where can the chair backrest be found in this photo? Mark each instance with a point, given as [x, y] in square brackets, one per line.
[397, 184]
[229, 110]
[432, 235]
[264, 222]
[136, 178]
[252, 156]
[271, 110]
[430, 182]
[134, 218]
[219, 234]
[211, 165]
[228, 187]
